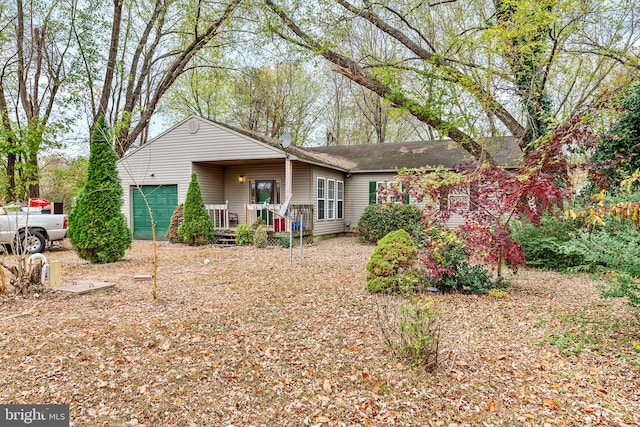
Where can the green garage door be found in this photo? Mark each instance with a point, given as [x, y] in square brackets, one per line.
[163, 200]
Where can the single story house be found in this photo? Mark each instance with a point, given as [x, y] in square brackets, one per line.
[244, 176]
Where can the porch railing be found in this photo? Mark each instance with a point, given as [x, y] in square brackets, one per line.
[220, 216]
[225, 220]
[302, 213]
[268, 215]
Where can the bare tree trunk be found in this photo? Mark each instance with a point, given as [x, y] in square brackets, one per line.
[111, 61]
[11, 157]
[129, 134]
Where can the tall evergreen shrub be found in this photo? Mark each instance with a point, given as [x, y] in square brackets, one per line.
[197, 226]
[97, 228]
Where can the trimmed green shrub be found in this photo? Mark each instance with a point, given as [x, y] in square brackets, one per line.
[174, 225]
[98, 230]
[197, 226]
[257, 223]
[379, 220]
[392, 264]
[243, 235]
[260, 237]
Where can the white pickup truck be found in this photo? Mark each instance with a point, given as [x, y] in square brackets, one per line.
[29, 232]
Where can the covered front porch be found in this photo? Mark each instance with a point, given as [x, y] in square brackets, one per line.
[250, 191]
[299, 220]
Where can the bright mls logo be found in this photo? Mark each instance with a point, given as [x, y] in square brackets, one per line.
[34, 415]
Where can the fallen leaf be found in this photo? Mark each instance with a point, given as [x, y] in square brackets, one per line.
[271, 353]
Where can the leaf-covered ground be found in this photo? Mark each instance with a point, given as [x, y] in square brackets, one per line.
[249, 340]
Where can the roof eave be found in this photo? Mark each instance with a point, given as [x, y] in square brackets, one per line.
[386, 170]
[316, 163]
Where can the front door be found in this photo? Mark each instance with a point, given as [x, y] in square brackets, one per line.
[265, 192]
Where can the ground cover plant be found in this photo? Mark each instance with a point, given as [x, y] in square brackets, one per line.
[248, 339]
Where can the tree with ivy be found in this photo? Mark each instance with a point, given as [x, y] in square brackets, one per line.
[617, 155]
[197, 227]
[97, 228]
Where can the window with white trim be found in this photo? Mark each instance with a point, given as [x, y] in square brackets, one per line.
[458, 199]
[340, 199]
[382, 197]
[331, 199]
[321, 198]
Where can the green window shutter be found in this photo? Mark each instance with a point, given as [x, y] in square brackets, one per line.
[405, 196]
[372, 192]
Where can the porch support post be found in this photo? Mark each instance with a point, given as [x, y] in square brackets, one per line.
[288, 183]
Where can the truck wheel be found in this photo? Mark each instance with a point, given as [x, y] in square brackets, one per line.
[31, 243]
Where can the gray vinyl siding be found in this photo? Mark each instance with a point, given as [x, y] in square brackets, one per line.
[170, 157]
[303, 189]
[357, 193]
[212, 180]
[357, 197]
[327, 226]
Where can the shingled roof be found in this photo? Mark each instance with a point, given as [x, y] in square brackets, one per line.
[393, 156]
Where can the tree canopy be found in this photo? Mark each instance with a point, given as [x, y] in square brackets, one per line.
[470, 69]
[336, 72]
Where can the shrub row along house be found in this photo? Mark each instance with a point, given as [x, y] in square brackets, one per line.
[244, 176]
